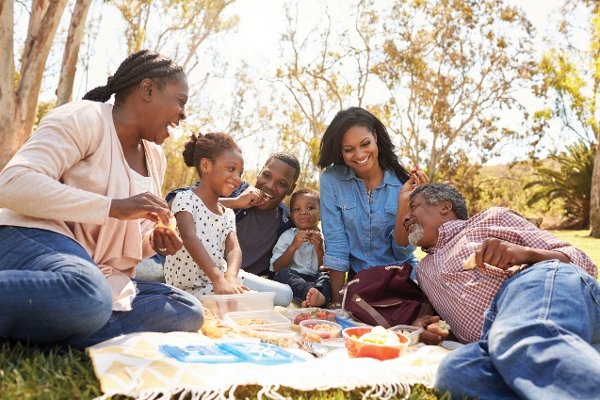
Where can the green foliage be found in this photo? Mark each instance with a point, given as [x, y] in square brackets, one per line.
[178, 174]
[571, 183]
[43, 108]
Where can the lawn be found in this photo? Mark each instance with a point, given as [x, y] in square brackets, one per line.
[28, 373]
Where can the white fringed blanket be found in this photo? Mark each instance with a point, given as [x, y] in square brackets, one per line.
[132, 365]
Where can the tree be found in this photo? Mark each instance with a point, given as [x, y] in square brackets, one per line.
[571, 184]
[318, 84]
[19, 90]
[572, 83]
[451, 68]
[68, 67]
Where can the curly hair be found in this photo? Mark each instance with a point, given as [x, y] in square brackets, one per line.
[433, 193]
[210, 146]
[304, 191]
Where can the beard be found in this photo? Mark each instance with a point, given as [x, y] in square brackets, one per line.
[415, 235]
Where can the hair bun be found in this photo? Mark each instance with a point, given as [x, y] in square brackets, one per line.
[101, 93]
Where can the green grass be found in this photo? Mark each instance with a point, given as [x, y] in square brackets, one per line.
[583, 241]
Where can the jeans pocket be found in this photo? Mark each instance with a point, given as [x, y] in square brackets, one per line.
[488, 320]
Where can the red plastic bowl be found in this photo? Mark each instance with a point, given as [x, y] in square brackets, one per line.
[357, 348]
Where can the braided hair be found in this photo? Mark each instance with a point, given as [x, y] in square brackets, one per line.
[331, 142]
[210, 146]
[135, 68]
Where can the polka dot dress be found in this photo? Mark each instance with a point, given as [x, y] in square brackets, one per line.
[180, 269]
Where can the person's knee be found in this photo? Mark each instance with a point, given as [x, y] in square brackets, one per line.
[449, 377]
[283, 296]
[192, 314]
[282, 276]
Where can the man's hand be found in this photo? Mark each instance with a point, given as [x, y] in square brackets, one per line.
[501, 254]
[425, 336]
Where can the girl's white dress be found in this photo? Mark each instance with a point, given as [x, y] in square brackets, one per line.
[180, 269]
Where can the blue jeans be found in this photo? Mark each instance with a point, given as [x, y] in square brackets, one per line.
[540, 340]
[53, 292]
[301, 283]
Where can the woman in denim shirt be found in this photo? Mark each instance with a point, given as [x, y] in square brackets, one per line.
[360, 188]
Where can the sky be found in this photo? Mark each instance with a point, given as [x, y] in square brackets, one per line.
[256, 40]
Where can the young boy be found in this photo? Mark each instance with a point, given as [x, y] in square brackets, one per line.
[298, 253]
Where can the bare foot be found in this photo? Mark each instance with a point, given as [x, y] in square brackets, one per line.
[304, 304]
[314, 298]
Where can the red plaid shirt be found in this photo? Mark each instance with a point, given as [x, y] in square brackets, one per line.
[462, 297]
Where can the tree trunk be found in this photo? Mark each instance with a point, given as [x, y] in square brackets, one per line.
[64, 92]
[7, 80]
[595, 195]
[18, 115]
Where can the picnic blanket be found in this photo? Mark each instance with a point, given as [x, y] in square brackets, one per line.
[133, 365]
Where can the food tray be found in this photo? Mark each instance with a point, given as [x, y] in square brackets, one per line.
[221, 304]
[262, 320]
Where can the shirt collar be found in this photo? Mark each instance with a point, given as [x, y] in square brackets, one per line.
[447, 231]
[388, 177]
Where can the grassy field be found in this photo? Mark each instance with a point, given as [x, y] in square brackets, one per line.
[583, 241]
[28, 373]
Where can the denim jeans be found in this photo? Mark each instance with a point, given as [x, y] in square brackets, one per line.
[540, 340]
[301, 283]
[53, 292]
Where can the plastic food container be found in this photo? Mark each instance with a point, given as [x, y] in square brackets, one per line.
[411, 332]
[278, 338]
[317, 330]
[357, 348]
[261, 320]
[221, 304]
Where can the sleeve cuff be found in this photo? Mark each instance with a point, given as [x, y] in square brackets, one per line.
[336, 264]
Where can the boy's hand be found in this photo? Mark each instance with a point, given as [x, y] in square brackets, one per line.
[316, 238]
[300, 238]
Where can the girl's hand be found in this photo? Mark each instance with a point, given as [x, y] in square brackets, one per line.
[144, 205]
[251, 197]
[165, 241]
[234, 281]
[222, 285]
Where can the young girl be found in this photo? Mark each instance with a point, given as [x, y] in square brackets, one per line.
[211, 257]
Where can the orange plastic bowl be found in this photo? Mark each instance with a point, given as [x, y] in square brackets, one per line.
[357, 348]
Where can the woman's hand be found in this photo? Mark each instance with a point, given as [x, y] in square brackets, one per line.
[144, 205]
[165, 241]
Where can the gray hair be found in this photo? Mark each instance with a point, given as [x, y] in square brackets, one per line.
[434, 193]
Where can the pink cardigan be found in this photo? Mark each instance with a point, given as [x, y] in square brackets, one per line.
[76, 161]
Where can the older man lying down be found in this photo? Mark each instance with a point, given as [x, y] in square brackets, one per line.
[529, 309]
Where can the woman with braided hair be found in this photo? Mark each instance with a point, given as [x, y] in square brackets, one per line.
[80, 202]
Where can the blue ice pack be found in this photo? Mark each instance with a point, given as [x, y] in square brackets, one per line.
[229, 352]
